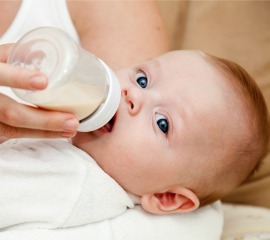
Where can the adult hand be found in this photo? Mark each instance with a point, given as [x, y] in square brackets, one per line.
[18, 120]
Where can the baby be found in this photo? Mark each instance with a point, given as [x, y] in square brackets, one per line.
[190, 127]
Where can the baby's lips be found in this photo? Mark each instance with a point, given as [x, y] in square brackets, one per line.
[107, 128]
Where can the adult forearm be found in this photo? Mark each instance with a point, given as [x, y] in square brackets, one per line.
[122, 33]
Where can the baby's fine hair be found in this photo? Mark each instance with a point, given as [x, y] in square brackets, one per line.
[249, 156]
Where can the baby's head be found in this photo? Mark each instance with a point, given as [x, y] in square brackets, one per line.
[189, 129]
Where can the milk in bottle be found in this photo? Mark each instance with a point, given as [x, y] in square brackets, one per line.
[79, 82]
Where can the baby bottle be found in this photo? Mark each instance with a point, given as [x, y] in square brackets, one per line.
[78, 81]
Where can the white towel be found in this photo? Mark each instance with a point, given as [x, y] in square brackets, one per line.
[52, 184]
[134, 224]
[16, 181]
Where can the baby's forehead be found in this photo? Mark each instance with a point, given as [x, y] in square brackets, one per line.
[184, 61]
[183, 54]
[176, 55]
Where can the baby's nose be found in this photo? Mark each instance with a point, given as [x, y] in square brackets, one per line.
[133, 99]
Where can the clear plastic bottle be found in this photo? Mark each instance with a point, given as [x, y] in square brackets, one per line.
[79, 82]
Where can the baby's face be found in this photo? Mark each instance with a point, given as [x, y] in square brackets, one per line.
[172, 111]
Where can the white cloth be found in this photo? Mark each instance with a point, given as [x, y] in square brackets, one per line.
[39, 13]
[134, 224]
[53, 184]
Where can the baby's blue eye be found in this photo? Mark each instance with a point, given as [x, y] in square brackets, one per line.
[162, 123]
[141, 79]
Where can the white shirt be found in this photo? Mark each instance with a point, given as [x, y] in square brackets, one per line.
[40, 13]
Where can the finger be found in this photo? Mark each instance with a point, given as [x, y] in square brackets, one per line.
[3, 139]
[9, 132]
[18, 115]
[5, 51]
[14, 76]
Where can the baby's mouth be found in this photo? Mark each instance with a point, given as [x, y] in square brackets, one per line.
[109, 126]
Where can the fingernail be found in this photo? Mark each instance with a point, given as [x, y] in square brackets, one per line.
[68, 134]
[70, 125]
[38, 82]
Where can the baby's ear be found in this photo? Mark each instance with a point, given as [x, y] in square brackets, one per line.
[176, 200]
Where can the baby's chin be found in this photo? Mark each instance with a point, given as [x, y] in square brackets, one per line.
[84, 138]
[82, 141]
